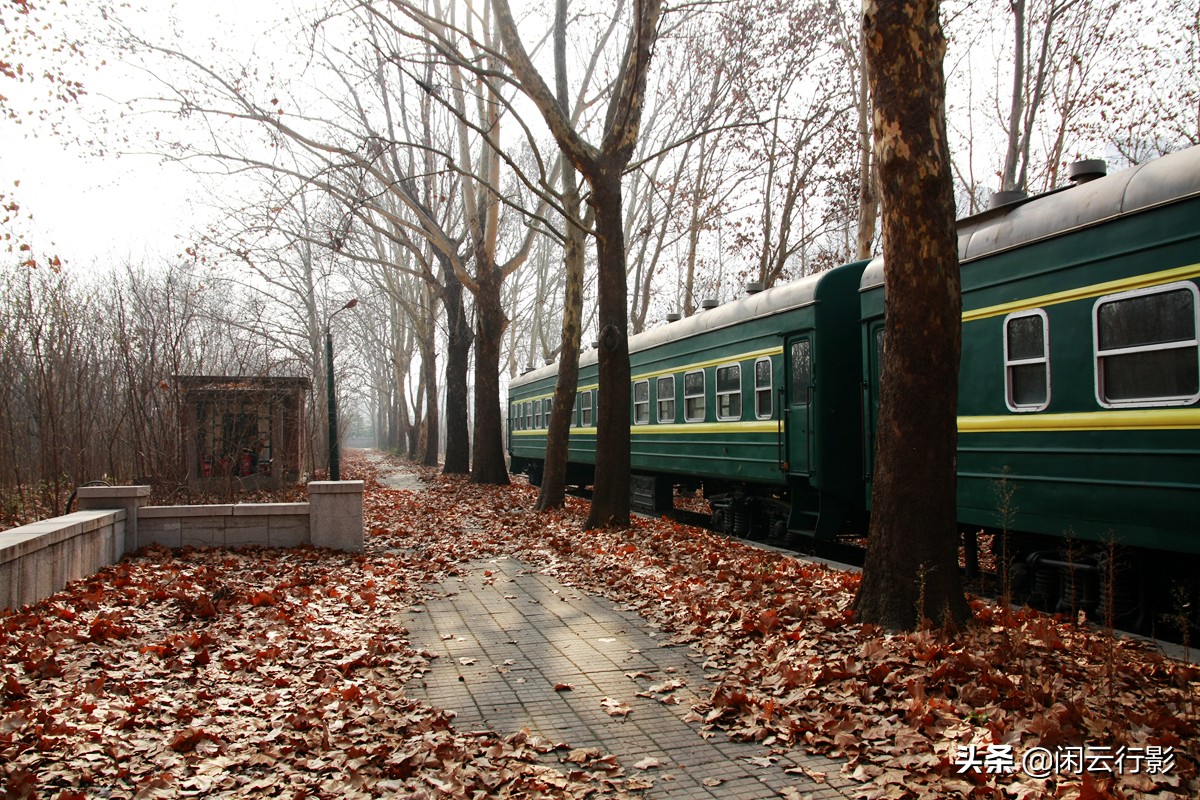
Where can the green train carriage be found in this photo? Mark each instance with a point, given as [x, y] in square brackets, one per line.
[1079, 397]
[756, 401]
[1079, 390]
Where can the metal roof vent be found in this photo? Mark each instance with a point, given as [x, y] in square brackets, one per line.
[549, 361]
[674, 316]
[754, 287]
[1004, 198]
[709, 302]
[1087, 170]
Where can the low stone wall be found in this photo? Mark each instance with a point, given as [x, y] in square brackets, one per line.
[40, 559]
[265, 524]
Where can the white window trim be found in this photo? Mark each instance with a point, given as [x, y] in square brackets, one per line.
[720, 394]
[769, 389]
[1098, 369]
[1023, 362]
[659, 400]
[645, 403]
[686, 396]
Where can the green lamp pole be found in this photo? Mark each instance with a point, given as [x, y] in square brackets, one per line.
[335, 465]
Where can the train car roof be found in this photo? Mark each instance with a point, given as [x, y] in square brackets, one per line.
[784, 297]
[1168, 179]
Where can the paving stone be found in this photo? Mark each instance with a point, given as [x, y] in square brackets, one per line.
[553, 634]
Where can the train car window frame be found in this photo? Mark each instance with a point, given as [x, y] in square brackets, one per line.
[729, 400]
[801, 390]
[641, 407]
[547, 410]
[694, 406]
[528, 416]
[537, 415]
[585, 409]
[1142, 376]
[761, 391]
[666, 400]
[575, 412]
[1015, 367]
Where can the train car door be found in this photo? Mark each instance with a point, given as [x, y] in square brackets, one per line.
[870, 400]
[798, 406]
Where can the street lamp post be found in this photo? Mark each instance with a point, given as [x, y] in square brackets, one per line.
[335, 466]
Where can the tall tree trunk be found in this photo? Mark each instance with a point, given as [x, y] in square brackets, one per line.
[911, 570]
[610, 495]
[424, 437]
[1016, 110]
[554, 472]
[488, 463]
[868, 197]
[458, 352]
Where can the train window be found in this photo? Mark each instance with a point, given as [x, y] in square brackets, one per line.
[801, 370]
[547, 408]
[575, 413]
[1027, 361]
[641, 403]
[665, 391]
[529, 416]
[762, 388]
[585, 409]
[537, 414]
[1147, 352]
[729, 392]
[693, 396]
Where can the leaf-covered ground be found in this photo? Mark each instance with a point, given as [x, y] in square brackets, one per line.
[281, 673]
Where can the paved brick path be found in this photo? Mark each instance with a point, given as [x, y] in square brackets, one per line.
[506, 635]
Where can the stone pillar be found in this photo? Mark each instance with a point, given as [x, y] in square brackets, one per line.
[335, 514]
[130, 498]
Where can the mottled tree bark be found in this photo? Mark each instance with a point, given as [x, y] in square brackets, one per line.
[458, 352]
[490, 321]
[610, 498]
[911, 570]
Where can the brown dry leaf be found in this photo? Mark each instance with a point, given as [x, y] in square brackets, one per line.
[649, 762]
[814, 775]
[615, 708]
[173, 643]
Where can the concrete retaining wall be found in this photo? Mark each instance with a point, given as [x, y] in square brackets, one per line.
[40, 559]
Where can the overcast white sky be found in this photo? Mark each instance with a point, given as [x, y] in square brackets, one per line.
[92, 210]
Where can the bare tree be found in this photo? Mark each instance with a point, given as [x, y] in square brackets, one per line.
[603, 168]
